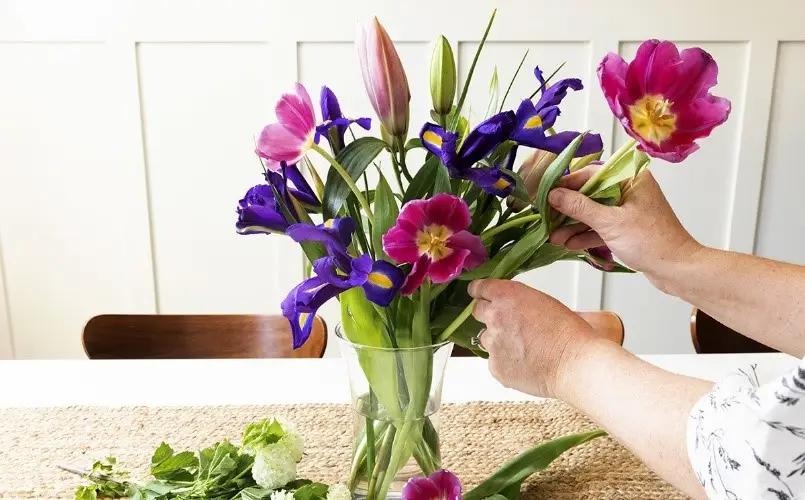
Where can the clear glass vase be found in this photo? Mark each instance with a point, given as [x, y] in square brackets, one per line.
[396, 396]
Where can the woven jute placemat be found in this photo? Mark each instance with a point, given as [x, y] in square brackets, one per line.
[477, 438]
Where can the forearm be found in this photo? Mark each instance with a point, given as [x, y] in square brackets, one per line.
[640, 405]
[760, 298]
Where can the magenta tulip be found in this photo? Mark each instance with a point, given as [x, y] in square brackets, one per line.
[384, 77]
[292, 136]
[441, 485]
[663, 97]
[432, 235]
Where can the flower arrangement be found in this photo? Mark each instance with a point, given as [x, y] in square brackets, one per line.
[399, 260]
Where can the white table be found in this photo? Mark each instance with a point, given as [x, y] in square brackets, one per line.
[262, 381]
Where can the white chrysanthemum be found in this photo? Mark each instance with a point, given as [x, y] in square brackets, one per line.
[282, 495]
[338, 492]
[273, 470]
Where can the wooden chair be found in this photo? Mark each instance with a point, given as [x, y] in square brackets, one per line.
[711, 337]
[605, 324]
[119, 336]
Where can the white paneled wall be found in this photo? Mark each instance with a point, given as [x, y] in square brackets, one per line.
[127, 129]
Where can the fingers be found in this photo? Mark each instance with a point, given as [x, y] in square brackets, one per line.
[481, 310]
[583, 241]
[577, 179]
[564, 233]
[487, 289]
[578, 206]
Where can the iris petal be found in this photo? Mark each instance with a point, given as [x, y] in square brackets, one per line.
[383, 282]
[300, 306]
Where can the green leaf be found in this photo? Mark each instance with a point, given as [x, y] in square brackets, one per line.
[413, 144]
[386, 213]
[86, 493]
[527, 463]
[162, 453]
[255, 493]
[521, 252]
[442, 182]
[262, 433]
[423, 180]
[498, 496]
[296, 484]
[312, 491]
[520, 192]
[552, 175]
[354, 158]
[464, 333]
[627, 167]
[453, 123]
[545, 255]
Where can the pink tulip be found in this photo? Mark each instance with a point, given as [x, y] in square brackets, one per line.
[292, 136]
[384, 77]
[441, 485]
[432, 235]
[663, 98]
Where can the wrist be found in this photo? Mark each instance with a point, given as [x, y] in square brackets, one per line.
[670, 273]
[574, 366]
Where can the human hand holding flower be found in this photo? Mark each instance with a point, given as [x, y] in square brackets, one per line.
[643, 232]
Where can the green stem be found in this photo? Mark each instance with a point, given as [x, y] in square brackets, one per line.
[486, 235]
[460, 319]
[403, 166]
[347, 178]
[617, 155]
[381, 465]
[505, 215]
[370, 433]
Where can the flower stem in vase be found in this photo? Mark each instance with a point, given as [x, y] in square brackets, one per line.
[381, 465]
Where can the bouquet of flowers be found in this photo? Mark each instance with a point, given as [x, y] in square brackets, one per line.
[399, 259]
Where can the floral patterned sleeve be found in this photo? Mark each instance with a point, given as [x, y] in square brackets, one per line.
[747, 441]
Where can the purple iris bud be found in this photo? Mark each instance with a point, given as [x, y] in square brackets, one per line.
[480, 142]
[336, 272]
[259, 212]
[533, 120]
[333, 118]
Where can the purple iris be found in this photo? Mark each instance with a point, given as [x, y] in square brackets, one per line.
[333, 118]
[480, 142]
[534, 119]
[259, 211]
[336, 272]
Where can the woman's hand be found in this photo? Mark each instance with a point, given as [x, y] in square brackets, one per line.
[643, 232]
[532, 338]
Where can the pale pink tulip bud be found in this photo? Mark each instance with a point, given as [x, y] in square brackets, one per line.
[384, 77]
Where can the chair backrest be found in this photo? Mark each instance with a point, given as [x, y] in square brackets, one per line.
[711, 337]
[605, 324]
[121, 336]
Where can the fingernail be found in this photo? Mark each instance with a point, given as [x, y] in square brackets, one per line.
[555, 197]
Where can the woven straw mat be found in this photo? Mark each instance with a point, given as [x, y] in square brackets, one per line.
[477, 438]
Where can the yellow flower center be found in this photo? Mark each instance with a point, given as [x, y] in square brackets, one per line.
[652, 118]
[380, 280]
[433, 241]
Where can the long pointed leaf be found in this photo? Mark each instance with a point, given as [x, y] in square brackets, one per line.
[527, 463]
[423, 180]
[386, 213]
[552, 175]
[355, 158]
[454, 122]
[511, 82]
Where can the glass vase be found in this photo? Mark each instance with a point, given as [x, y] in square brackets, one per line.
[396, 396]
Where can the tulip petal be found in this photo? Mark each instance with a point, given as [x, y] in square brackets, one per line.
[400, 245]
[420, 488]
[447, 483]
[449, 266]
[416, 276]
[382, 282]
[701, 116]
[654, 70]
[698, 75]
[473, 244]
[612, 77]
[447, 210]
[278, 144]
[295, 113]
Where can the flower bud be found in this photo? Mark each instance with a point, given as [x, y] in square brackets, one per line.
[442, 76]
[384, 77]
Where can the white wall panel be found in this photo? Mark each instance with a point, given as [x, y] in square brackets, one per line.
[202, 106]
[699, 190]
[6, 340]
[781, 224]
[65, 200]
